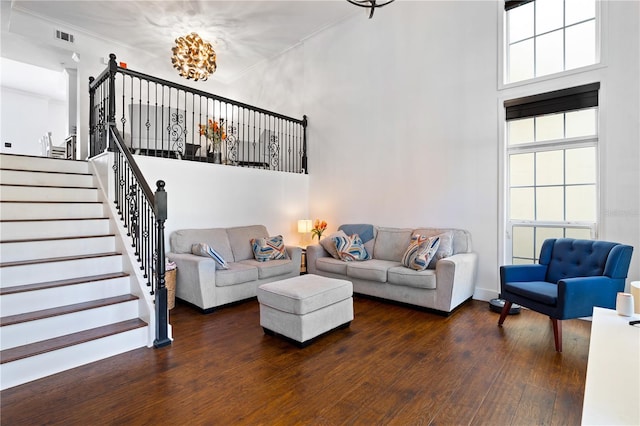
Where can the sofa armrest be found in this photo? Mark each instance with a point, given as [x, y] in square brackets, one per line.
[455, 279]
[196, 278]
[314, 252]
[295, 254]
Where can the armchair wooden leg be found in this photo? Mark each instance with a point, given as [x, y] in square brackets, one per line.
[557, 334]
[505, 311]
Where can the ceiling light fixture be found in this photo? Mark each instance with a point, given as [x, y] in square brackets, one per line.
[193, 57]
[372, 4]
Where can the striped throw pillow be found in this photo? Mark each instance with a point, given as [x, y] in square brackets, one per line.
[202, 249]
[271, 248]
[350, 248]
[420, 251]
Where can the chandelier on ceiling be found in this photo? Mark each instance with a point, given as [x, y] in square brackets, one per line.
[193, 57]
[372, 4]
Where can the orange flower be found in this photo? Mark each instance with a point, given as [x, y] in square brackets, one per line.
[214, 131]
[318, 228]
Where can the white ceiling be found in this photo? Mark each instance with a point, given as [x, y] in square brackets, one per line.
[243, 33]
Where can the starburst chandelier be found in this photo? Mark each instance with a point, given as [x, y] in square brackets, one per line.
[372, 4]
[193, 57]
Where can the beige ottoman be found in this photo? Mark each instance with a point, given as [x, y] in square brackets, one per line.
[302, 308]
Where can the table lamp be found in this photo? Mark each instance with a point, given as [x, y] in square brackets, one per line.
[304, 228]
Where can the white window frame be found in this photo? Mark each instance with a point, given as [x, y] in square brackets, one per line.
[586, 142]
[601, 40]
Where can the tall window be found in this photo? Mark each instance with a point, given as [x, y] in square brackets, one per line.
[548, 36]
[552, 141]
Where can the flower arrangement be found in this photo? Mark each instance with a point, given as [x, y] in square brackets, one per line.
[214, 133]
[318, 228]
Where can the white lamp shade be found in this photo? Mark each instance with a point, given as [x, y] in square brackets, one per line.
[305, 225]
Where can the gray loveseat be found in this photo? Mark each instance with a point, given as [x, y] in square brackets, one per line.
[200, 283]
[383, 276]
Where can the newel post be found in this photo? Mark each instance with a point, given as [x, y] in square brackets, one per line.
[304, 144]
[162, 311]
[111, 114]
[92, 118]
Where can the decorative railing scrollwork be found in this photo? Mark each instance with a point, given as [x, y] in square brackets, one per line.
[141, 211]
[163, 119]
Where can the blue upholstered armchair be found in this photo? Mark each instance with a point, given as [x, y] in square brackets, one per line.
[571, 278]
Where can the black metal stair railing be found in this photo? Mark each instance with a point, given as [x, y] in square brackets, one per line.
[161, 118]
[142, 211]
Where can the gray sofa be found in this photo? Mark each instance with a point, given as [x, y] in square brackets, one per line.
[442, 289]
[201, 284]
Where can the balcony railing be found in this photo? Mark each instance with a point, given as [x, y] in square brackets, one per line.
[157, 117]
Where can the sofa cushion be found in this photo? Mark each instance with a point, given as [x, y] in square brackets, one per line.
[329, 264]
[461, 238]
[182, 240]
[391, 243]
[540, 291]
[372, 270]
[202, 249]
[273, 268]
[271, 248]
[350, 248]
[420, 251]
[400, 275]
[237, 273]
[240, 240]
[330, 246]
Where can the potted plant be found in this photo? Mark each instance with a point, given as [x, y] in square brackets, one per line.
[215, 134]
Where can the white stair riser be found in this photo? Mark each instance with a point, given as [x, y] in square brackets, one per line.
[43, 163]
[35, 193]
[48, 328]
[32, 250]
[46, 179]
[26, 370]
[38, 300]
[25, 211]
[54, 271]
[53, 229]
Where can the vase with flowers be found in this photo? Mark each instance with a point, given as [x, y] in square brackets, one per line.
[215, 133]
[318, 228]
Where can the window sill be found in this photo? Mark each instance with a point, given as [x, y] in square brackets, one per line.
[552, 77]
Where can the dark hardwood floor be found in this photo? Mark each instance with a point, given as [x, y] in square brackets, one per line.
[393, 366]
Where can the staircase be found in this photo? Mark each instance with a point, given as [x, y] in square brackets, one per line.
[65, 298]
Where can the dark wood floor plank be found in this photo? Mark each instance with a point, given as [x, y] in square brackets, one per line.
[393, 366]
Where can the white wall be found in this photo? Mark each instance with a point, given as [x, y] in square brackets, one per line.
[202, 195]
[25, 117]
[404, 121]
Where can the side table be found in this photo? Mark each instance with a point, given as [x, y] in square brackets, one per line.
[303, 262]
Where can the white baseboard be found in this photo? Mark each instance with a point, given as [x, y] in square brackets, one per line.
[484, 294]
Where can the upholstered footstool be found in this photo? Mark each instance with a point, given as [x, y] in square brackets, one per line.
[302, 308]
